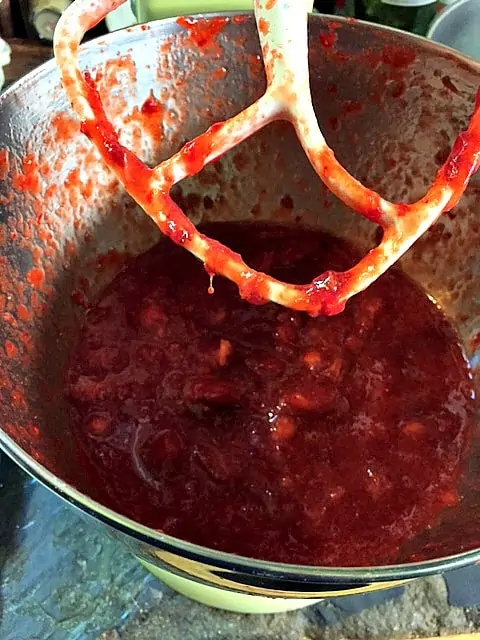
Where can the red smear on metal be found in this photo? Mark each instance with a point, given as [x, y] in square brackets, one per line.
[202, 33]
[27, 179]
[263, 26]
[328, 39]
[4, 164]
[11, 350]
[398, 57]
[36, 277]
[351, 106]
[219, 74]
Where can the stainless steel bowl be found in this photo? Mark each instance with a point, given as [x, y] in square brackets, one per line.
[458, 26]
[61, 209]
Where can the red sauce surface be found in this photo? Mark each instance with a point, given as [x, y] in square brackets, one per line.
[265, 432]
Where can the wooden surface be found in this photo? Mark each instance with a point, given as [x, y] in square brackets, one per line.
[25, 57]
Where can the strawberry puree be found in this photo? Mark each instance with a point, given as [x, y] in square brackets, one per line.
[266, 432]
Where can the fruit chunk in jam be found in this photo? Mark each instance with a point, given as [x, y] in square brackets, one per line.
[264, 432]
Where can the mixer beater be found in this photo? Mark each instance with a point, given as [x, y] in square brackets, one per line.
[282, 29]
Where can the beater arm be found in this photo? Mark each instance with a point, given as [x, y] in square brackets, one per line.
[282, 28]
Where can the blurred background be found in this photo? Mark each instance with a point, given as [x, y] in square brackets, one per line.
[28, 25]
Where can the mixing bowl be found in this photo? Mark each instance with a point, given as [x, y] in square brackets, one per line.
[390, 105]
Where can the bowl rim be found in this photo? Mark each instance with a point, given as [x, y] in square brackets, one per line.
[308, 574]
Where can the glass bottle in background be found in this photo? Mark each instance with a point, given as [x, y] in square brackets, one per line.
[414, 16]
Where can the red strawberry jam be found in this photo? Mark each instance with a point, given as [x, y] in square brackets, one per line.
[265, 432]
